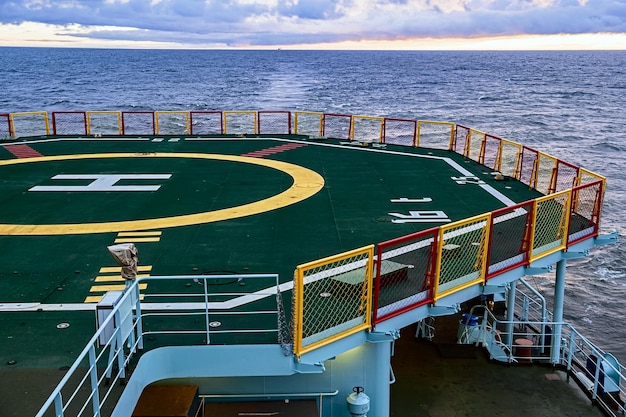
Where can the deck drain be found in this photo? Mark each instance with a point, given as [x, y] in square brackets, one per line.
[215, 324]
[63, 325]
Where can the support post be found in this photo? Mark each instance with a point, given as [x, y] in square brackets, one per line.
[379, 385]
[510, 314]
[557, 315]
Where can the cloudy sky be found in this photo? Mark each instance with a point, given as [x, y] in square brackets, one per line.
[316, 24]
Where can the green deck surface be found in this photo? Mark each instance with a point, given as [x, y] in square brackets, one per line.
[350, 210]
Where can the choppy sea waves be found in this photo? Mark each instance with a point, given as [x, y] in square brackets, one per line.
[568, 104]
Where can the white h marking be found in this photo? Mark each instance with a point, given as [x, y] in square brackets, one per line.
[103, 182]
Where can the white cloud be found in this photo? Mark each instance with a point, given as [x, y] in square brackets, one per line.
[269, 23]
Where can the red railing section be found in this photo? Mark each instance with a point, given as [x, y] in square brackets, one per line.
[528, 165]
[408, 263]
[69, 122]
[490, 151]
[399, 131]
[509, 242]
[565, 177]
[6, 128]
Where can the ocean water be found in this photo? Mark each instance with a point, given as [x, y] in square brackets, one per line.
[569, 104]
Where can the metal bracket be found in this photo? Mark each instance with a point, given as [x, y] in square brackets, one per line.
[439, 310]
[379, 337]
[309, 368]
[532, 270]
[576, 255]
[606, 239]
[494, 289]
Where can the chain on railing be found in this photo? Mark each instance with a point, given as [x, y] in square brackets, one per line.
[462, 250]
[340, 284]
[404, 269]
[550, 224]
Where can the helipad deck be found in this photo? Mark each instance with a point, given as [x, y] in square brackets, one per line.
[372, 229]
[200, 205]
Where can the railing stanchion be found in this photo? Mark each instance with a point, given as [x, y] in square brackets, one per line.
[93, 375]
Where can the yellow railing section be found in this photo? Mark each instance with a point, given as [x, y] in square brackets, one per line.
[474, 152]
[332, 299]
[176, 122]
[461, 255]
[240, 122]
[544, 175]
[508, 160]
[30, 118]
[308, 123]
[367, 129]
[433, 134]
[99, 122]
[550, 224]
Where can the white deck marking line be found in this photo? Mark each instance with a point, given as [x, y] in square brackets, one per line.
[488, 188]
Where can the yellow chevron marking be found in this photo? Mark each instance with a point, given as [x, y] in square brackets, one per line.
[114, 269]
[148, 233]
[105, 288]
[137, 239]
[97, 298]
[116, 278]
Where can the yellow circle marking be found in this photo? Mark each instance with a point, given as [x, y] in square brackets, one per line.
[306, 183]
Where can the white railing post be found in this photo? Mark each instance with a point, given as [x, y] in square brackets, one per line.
[93, 376]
